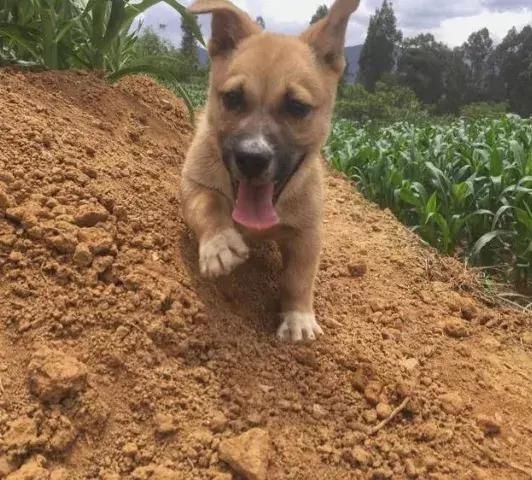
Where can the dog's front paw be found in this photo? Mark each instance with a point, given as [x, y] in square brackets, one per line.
[299, 326]
[222, 253]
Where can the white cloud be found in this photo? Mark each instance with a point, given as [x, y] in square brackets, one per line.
[456, 30]
[451, 21]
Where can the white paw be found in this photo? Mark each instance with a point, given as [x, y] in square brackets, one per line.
[221, 254]
[298, 326]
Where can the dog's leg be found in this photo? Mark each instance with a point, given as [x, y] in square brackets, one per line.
[221, 247]
[301, 259]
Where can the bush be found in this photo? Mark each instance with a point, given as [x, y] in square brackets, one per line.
[484, 110]
[388, 104]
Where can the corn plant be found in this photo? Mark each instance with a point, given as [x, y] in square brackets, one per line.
[464, 187]
[91, 34]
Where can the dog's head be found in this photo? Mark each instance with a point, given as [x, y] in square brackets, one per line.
[271, 99]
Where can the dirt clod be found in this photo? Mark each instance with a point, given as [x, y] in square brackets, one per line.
[54, 375]
[21, 435]
[90, 215]
[456, 328]
[489, 424]
[164, 424]
[82, 255]
[410, 468]
[33, 469]
[383, 410]
[372, 392]
[452, 403]
[248, 453]
[5, 200]
[155, 472]
[357, 269]
[361, 456]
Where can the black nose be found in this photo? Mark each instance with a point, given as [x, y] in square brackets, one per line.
[252, 164]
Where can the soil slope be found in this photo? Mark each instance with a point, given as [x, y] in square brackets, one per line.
[118, 362]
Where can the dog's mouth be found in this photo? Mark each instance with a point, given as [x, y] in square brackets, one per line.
[255, 200]
[254, 205]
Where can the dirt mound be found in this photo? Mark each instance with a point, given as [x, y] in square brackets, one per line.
[118, 362]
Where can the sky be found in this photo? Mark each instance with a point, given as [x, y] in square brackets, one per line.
[451, 21]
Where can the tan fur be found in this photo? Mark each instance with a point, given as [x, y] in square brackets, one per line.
[267, 66]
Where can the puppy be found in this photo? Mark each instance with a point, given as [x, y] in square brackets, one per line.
[254, 168]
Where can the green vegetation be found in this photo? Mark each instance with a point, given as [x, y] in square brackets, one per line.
[86, 34]
[464, 187]
[387, 104]
[480, 110]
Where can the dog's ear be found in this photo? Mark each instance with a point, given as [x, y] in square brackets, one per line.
[327, 36]
[230, 25]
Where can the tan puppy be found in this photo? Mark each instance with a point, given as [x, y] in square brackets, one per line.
[254, 166]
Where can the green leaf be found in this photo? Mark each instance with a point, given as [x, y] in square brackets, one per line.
[524, 218]
[432, 204]
[21, 36]
[461, 191]
[117, 18]
[496, 163]
[486, 239]
[499, 214]
[409, 197]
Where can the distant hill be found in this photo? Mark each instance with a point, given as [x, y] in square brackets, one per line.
[352, 55]
[203, 56]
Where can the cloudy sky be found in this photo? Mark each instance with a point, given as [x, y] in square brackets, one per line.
[451, 21]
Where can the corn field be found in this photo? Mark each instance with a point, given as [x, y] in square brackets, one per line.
[466, 187]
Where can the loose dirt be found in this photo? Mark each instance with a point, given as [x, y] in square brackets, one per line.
[118, 362]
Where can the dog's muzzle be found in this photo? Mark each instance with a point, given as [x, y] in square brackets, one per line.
[254, 157]
[259, 172]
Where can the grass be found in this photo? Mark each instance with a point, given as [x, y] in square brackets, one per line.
[465, 187]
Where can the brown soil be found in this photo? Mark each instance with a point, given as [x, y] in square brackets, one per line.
[118, 362]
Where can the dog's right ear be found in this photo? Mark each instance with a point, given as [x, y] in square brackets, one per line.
[327, 36]
[230, 25]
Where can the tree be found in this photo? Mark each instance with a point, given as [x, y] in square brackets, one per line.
[477, 52]
[321, 12]
[260, 22]
[421, 67]
[188, 41]
[149, 44]
[378, 56]
[514, 65]
[455, 76]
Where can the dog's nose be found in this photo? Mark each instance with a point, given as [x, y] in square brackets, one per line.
[251, 165]
[253, 156]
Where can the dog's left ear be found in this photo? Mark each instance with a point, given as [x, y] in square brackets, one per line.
[327, 36]
[230, 25]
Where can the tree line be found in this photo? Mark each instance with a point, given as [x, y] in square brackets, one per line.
[449, 78]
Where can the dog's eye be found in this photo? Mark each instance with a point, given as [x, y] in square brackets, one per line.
[296, 108]
[234, 100]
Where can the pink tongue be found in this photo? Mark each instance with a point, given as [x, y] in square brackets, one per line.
[254, 206]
